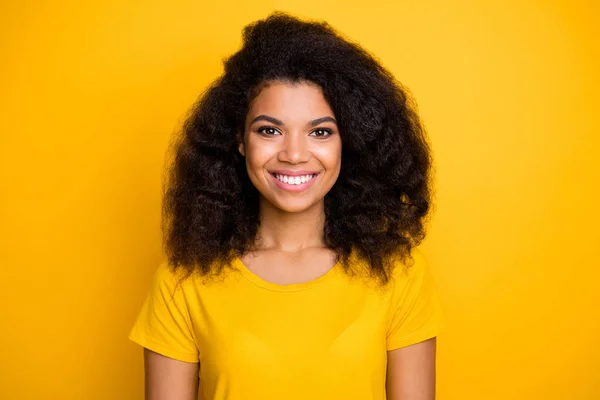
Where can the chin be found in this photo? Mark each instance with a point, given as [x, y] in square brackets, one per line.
[291, 206]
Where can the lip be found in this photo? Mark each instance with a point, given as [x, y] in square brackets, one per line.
[294, 188]
[294, 173]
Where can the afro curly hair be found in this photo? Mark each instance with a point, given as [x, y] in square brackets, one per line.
[379, 203]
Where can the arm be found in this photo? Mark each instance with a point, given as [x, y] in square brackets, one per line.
[411, 372]
[164, 328]
[169, 379]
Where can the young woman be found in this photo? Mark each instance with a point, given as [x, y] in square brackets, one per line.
[296, 199]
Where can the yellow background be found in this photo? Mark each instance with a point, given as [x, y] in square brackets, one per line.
[92, 93]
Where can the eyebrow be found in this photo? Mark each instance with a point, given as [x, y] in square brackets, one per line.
[280, 123]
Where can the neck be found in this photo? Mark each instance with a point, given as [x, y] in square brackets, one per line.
[290, 232]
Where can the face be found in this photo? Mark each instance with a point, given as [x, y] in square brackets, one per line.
[292, 145]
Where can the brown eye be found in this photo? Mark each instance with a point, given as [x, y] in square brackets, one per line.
[321, 132]
[268, 131]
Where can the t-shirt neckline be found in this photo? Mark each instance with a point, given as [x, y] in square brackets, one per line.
[290, 287]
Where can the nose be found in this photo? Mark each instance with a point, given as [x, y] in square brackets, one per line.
[295, 149]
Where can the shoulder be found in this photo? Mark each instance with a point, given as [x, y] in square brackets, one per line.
[413, 271]
[172, 278]
[408, 267]
[187, 280]
[401, 270]
[168, 274]
[415, 312]
[404, 273]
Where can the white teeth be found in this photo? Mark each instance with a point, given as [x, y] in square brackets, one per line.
[294, 180]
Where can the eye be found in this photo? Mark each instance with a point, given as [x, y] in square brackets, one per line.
[321, 132]
[268, 131]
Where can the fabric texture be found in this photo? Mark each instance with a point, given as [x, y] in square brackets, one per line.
[323, 339]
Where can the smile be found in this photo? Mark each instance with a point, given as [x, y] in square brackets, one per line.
[294, 180]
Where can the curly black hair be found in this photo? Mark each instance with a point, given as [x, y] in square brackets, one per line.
[381, 199]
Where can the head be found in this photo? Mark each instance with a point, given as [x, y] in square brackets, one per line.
[292, 145]
[299, 99]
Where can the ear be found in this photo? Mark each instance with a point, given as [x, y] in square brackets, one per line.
[240, 140]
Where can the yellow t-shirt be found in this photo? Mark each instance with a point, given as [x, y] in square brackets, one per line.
[323, 339]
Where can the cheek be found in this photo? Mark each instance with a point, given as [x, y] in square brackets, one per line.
[330, 156]
[257, 156]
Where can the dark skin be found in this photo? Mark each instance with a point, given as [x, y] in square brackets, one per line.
[291, 127]
[169, 379]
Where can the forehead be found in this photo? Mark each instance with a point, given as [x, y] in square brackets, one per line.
[290, 100]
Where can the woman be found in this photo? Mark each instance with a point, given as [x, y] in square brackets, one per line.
[294, 205]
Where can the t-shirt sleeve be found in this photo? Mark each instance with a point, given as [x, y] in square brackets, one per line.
[415, 313]
[163, 325]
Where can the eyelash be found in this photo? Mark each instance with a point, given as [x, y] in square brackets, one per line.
[327, 131]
